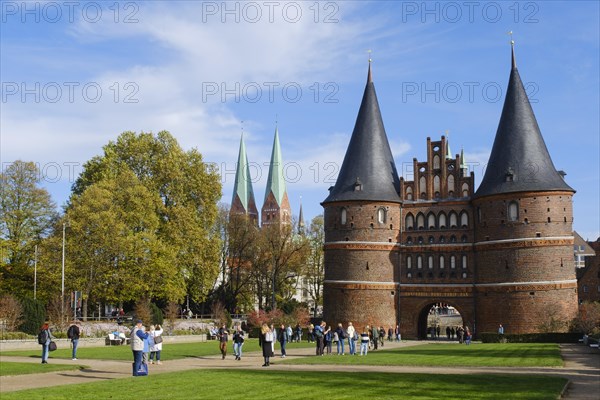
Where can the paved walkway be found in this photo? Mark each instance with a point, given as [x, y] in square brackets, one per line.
[582, 368]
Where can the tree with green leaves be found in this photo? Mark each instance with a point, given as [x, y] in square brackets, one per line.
[314, 273]
[188, 190]
[26, 216]
[115, 253]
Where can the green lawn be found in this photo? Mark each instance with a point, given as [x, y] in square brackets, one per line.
[17, 368]
[245, 384]
[170, 351]
[475, 355]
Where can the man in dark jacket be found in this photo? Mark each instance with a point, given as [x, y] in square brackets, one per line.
[282, 338]
[73, 333]
[223, 336]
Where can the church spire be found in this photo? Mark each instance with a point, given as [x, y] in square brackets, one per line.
[519, 161]
[243, 195]
[301, 219]
[368, 171]
[276, 204]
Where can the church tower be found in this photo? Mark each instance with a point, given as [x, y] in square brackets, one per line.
[243, 202]
[362, 218]
[276, 207]
[523, 229]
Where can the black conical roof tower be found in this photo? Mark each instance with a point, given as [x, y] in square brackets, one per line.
[519, 161]
[368, 171]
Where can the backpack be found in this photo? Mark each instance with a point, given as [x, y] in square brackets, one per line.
[43, 336]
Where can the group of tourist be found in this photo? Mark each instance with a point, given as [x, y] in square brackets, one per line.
[146, 345]
[459, 333]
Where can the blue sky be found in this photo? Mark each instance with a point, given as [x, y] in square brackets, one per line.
[77, 74]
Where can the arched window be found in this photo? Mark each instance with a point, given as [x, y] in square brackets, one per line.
[513, 211]
[450, 183]
[436, 162]
[419, 262]
[436, 183]
[409, 240]
[381, 215]
[464, 262]
[420, 221]
[452, 262]
[409, 222]
[442, 220]
[430, 262]
[464, 220]
[423, 185]
[465, 190]
[431, 221]
[409, 193]
[343, 216]
[408, 262]
[431, 239]
[452, 239]
[442, 262]
[453, 220]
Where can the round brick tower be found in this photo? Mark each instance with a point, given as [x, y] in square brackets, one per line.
[525, 277]
[362, 221]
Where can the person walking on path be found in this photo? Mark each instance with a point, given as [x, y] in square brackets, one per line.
[381, 336]
[73, 333]
[282, 338]
[44, 338]
[238, 342]
[351, 333]
[223, 336]
[155, 350]
[138, 336]
[265, 340]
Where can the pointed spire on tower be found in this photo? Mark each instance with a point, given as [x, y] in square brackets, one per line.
[276, 204]
[519, 161]
[463, 164]
[243, 195]
[301, 219]
[368, 171]
[512, 48]
[448, 151]
[369, 76]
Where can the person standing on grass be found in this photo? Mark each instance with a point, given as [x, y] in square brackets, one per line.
[311, 333]
[298, 333]
[341, 338]
[500, 330]
[364, 341]
[156, 348]
[282, 338]
[328, 338]
[265, 340]
[448, 332]
[350, 332]
[73, 333]
[238, 342]
[319, 333]
[290, 333]
[381, 336]
[397, 333]
[223, 336]
[44, 338]
[375, 336]
[138, 336]
[467, 336]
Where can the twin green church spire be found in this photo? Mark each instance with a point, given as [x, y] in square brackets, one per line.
[276, 204]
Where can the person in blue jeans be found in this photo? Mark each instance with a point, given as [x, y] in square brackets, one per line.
[138, 337]
[283, 338]
[47, 338]
[342, 338]
[238, 342]
[73, 333]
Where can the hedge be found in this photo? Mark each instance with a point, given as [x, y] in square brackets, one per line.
[552, 337]
[34, 316]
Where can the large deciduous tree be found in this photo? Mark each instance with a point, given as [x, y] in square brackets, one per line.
[188, 190]
[26, 216]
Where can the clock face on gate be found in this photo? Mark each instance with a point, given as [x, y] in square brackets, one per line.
[451, 167]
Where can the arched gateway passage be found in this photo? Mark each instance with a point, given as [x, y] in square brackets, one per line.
[438, 321]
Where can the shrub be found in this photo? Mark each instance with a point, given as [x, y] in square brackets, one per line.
[157, 315]
[552, 337]
[34, 315]
[16, 336]
[11, 312]
[143, 311]
[588, 319]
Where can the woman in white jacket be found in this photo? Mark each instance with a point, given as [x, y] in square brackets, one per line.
[156, 348]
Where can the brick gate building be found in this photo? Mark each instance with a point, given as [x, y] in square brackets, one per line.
[501, 254]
